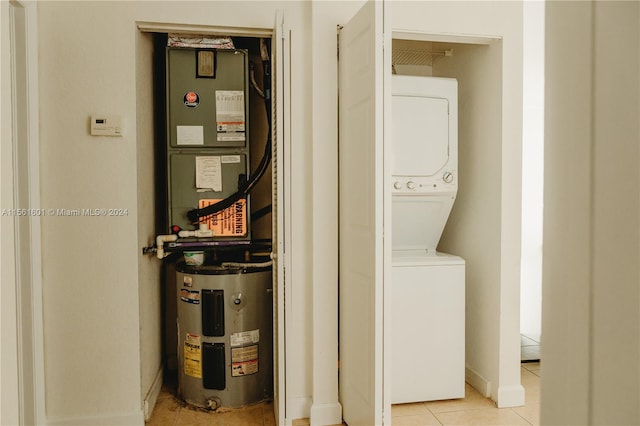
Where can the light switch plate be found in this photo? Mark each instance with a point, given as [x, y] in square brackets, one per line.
[106, 125]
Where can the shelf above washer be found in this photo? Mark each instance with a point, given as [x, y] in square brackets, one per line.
[412, 56]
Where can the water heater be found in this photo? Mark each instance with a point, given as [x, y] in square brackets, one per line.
[225, 339]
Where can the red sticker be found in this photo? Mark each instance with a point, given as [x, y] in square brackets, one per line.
[191, 99]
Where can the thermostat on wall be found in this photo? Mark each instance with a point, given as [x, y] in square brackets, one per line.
[106, 125]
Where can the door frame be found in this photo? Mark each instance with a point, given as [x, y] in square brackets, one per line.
[22, 251]
[281, 186]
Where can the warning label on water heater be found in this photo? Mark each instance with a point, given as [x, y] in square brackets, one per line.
[230, 222]
[193, 356]
[244, 361]
[230, 121]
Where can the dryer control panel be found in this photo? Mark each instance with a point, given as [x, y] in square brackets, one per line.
[424, 148]
[446, 181]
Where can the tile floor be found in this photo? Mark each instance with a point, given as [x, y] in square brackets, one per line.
[473, 409]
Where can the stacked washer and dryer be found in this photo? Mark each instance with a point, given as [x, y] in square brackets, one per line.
[428, 287]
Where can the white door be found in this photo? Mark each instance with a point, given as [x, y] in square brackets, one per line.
[280, 200]
[364, 81]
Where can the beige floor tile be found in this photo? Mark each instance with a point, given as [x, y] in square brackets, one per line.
[427, 419]
[483, 417]
[301, 422]
[165, 412]
[530, 412]
[534, 367]
[531, 384]
[249, 416]
[190, 416]
[414, 409]
[165, 392]
[471, 400]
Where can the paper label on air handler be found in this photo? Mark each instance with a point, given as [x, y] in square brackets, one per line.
[193, 356]
[230, 120]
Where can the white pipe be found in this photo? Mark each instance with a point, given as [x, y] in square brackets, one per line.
[160, 240]
[200, 233]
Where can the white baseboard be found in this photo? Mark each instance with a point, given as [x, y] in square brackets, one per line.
[122, 419]
[476, 381]
[326, 414]
[298, 408]
[152, 395]
[510, 396]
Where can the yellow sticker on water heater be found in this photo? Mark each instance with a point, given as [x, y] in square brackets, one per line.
[193, 356]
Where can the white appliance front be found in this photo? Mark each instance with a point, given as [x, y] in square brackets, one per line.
[424, 159]
[424, 148]
[428, 288]
[428, 326]
[417, 222]
[420, 135]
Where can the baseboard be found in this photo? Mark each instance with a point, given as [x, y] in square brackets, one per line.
[326, 414]
[123, 419]
[298, 408]
[152, 395]
[510, 396]
[476, 381]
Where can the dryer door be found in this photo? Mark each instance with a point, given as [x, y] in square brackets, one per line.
[420, 135]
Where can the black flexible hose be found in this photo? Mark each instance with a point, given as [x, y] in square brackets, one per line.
[196, 215]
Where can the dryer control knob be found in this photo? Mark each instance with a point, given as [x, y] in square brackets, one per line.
[411, 185]
[447, 177]
[397, 185]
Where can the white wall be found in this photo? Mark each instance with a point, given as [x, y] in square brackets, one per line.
[98, 291]
[591, 297]
[471, 228]
[532, 169]
[90, 264]
[493, 236]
